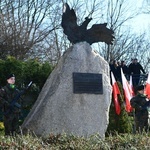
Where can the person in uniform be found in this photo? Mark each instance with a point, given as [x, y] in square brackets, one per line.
[140, 103]
[10, 112]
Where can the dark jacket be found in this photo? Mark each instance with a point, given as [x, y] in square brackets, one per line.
[125, 69]
[7, 95]
[136, 68]
[115, 70]
[140, 104]
[130, 68]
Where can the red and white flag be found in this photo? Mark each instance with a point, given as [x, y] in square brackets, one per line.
[131, 86]
[116, 91]
[147, 87]
[127, 92]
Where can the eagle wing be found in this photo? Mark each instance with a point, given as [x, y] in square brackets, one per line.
[100, 33]
[69, 22]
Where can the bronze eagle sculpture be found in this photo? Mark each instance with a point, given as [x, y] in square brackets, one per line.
[76, 33]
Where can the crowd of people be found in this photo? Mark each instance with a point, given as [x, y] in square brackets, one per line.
[134, 69]
[140, 103]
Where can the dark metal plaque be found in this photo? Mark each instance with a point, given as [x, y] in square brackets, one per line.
[87, 83]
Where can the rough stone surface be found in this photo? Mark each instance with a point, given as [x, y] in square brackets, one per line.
[58, 110]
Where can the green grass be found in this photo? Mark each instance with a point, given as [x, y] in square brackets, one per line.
[71, 142]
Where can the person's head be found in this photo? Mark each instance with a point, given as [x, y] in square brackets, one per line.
[118, 63]
[135, 60]
[11, 79]
[115, 63]
[111, 62]
[122, 62]
[132, 60]
[140, 89]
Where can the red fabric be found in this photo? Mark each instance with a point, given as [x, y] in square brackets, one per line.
[147, 87]
[116, 91]
[127, 92]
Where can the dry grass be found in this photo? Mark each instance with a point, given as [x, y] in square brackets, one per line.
[71, 142]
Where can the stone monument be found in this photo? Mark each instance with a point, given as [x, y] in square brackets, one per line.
[58, 109]
[76, 96]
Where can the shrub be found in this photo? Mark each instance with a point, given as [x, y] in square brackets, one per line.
[1, 126]
[119, 123]
[26, 71]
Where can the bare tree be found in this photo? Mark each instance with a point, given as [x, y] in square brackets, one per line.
[24, 23]
[146, 46]
[116, 19]
[127, 44]
[31, 28]
[146, 6]
[57, 40]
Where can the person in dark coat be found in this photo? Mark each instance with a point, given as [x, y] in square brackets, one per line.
[10, 114]
[114, 68]
[124, 68]
[141, 104]
[135, 69]
[131, 66]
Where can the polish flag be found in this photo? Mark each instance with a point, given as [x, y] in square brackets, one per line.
[147, 87]
[115, 91]
[131, 86]
[127, 92]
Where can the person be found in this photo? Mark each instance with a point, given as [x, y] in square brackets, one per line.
[119, 71]
[10, 113]
[124, 68]
[141, 104]
[135, 69]
[131, 67]
[114, 69]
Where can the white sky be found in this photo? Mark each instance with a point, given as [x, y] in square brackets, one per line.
[141, 23]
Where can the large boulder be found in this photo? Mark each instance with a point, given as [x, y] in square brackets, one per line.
[59, 110]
